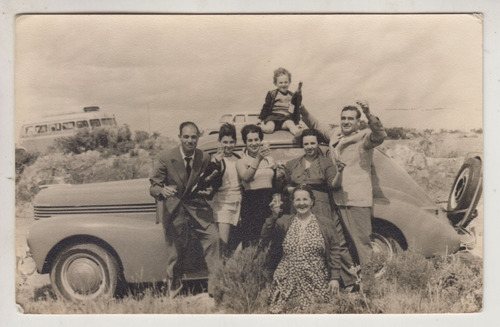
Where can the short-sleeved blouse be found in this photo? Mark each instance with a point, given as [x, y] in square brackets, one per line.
[263, 177]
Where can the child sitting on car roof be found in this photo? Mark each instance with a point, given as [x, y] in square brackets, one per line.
[275, 113]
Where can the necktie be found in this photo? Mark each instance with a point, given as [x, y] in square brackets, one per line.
[188, 165]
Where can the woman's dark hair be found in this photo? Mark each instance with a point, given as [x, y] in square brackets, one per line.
[309, 132]
[227, 130]
[304, 187]
[251, 129]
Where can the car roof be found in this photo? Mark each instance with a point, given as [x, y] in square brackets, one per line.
[278, 138]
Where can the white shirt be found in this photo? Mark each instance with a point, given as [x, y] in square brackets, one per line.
[184, 156]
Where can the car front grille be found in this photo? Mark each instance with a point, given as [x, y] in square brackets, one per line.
[48, 211]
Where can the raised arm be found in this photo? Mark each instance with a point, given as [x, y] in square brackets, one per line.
[378, 133]
[312, 122]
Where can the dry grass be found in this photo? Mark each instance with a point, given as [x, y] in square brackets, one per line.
[411, 284]
[149, 301]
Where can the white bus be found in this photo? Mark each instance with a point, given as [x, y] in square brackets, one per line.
[37, 135]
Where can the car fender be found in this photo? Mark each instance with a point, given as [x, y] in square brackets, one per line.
[136, 239]
[435, 234]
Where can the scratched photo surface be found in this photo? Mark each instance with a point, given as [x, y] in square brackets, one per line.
[141, 76]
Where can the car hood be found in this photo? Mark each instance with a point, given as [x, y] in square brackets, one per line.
[130, 196]
[106, 193]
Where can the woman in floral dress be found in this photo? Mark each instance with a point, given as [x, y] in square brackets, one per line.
[307, 249]
[322, 175]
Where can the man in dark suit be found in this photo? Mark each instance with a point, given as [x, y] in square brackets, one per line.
[185, 211]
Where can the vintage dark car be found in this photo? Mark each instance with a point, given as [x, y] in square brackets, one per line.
[90, 237]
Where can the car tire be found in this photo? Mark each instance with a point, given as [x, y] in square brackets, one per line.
[465, 193]
[384, 245]
[84, 272]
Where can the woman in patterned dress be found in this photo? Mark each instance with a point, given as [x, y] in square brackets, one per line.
[307, 249]
[322, 175]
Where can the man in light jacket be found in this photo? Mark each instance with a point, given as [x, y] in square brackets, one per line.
[353, 147]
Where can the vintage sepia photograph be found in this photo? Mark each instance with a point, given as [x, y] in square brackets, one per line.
[249, 163]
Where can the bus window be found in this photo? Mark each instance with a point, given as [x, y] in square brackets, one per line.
[68, 125]
[107, 121]
[41, 129]
[56, 127]
[95, 123]
[82, 124]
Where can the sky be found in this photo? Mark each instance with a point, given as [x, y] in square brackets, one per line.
[417, 71]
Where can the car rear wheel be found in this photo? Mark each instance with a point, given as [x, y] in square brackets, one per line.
[84, 272]
[465, 193]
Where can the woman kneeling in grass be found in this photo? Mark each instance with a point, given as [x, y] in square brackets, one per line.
[307, 249]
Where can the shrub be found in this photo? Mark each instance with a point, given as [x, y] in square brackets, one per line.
[107, 141]
[88, 167]
[401, 133]
[241, 283]
[140, 136]
[23, 159]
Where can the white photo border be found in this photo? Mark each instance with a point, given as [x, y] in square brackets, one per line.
[491, 113]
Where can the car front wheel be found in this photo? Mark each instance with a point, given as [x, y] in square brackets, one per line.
[84, 272]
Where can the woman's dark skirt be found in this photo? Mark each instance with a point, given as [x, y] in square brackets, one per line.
[254, 212]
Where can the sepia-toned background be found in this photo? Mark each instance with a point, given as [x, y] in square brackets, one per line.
[418, 71]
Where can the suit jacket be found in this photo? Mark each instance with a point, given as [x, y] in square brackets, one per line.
[186, 204]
